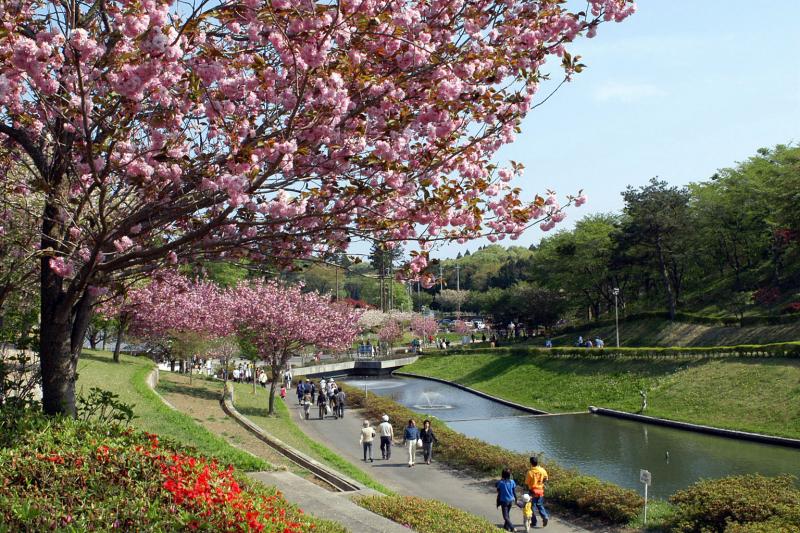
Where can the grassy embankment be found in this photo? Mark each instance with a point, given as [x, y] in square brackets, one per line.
[660, 332]
[760, 395]
[127, 379]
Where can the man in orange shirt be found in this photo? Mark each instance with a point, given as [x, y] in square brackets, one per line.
[535, 480]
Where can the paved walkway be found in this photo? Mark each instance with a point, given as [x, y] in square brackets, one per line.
[323, 503]
[434, 481]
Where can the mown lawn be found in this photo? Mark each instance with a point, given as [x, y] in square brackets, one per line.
[127, 379]
[747, 394]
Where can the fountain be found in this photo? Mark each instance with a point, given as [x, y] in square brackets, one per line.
[429, 405]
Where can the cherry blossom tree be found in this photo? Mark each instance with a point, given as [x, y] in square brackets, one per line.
[280, 320]
[157, 131]
[425, 327]
[391, 331]
[459, 326]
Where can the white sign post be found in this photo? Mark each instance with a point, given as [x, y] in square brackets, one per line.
[647, 479]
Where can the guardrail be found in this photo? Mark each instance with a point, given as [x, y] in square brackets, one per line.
[336, 480]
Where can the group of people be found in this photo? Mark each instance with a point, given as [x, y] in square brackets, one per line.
[413, 438]
[326, 395]
[531, 501]
[598, 342]
[245, 374]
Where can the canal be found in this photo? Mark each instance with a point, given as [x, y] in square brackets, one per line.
[608, 448]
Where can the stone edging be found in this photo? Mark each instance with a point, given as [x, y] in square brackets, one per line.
[152, 381]
[337, 480]
[730, 433]
[477, 392]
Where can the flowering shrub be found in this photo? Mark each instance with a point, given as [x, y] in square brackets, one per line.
[739, 503]
[793, 307]
[583, 493]
[74, 475]
[425, 516]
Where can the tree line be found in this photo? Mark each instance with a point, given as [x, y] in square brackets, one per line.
[729, 245]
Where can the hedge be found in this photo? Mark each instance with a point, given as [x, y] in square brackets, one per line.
[749, 503]
[782, 349]
[425, 516]
[566, 487]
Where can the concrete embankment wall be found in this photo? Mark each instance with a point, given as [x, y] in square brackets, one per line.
[730, 433]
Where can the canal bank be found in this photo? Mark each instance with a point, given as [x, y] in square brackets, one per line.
[610, 449]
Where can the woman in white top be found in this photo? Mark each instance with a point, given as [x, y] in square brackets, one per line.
[367, 436]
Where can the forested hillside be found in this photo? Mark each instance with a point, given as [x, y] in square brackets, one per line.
[725, 246]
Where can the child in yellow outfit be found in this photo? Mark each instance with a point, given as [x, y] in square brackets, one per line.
[527, 511]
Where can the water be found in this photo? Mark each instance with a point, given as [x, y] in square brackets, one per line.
[608, 448]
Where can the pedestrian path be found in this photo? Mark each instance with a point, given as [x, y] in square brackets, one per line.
[335, 506]
[434, 481]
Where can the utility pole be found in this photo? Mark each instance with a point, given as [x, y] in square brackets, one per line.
[441, 279]
[336, 260]
[391, 285]
[458, 290]
[616, 312]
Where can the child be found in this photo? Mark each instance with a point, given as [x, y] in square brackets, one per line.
[283, 392]
[527, 511]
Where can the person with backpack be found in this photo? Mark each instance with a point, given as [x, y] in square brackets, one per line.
[535, 480]
[322, 403]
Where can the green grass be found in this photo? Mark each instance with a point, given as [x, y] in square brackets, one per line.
[283, 427]
[127, 379]
[658, 332]
[760, 395]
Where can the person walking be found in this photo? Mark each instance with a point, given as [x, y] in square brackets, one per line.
[340, 396]
[301, 391]
[367, 436]
[506, 497]
[427, 437]
[527, 511]
[313, 392]
[322, 403]
[283, 392]
[307, 404]
[387, 435]
[410, 437]
[535, 480]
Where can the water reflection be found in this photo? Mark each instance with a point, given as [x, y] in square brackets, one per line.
[608, 448]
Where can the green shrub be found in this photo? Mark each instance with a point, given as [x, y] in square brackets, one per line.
[425, 516]
[567, 488]
[738, 503]
[75, 475]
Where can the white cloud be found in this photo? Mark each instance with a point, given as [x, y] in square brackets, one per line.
[626, 92]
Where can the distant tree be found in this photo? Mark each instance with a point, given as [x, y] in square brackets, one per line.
[451, 299]
[656, 227]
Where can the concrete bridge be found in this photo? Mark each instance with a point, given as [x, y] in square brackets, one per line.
[358, 367]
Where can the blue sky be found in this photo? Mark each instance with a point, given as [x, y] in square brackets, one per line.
[680, 89]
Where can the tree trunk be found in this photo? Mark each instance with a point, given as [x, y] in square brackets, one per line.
[118, 343]
[105, 336]
[276, 370]
[63, 328]
[667, 284]
[93, 341]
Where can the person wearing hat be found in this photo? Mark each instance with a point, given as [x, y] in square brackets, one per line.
[527, 511]
[367, 436]
[387, 434]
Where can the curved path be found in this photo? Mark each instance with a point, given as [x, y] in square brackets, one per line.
[435, 481]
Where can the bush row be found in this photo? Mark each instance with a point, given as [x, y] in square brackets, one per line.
[68, 475]
[739, 504]
[566, 487]
[785, 349]
[425, 516]
[691, 318]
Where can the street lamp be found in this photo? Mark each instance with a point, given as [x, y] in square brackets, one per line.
[616, 311]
